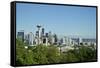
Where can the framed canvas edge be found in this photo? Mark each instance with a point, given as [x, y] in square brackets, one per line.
[13, 31]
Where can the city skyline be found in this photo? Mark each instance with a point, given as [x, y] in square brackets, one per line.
[58, 19]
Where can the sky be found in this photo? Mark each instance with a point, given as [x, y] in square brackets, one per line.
[62, 20]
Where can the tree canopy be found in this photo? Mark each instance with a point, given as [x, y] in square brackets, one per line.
[41, 54]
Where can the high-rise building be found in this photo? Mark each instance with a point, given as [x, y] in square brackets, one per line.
[20, 35]
[46, 37]
[80, 40]
[50, 37]
[38, 26]
[30, 38]
[61, 41]
[64, 40]
[42, 32]
[36, 37]
[26, 39]
[76, 41]
[42, 36]
[55, 39]
[36, 33]
[46, 34]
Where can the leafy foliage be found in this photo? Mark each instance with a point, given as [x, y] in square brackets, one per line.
[41, 54]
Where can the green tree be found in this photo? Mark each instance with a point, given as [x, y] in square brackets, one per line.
[86, 53]
[39, 54]
[53, 54]
[19, 52]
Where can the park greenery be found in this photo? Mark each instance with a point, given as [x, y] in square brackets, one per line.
[42, 54]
